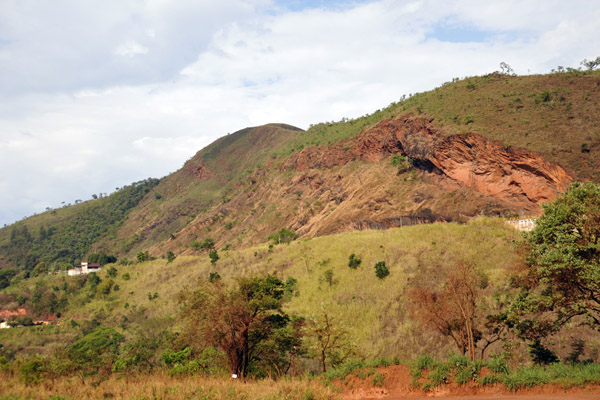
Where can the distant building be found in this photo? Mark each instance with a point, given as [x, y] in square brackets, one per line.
[84, 268]
[523, 224]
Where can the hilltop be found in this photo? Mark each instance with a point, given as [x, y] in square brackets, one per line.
[496, 145]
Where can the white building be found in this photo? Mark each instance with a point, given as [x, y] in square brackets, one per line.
[84, 268]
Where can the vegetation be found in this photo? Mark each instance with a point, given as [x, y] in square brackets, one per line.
[64, 240]
[284, 235]
[562, 281]
[506, 303]
[246, 323]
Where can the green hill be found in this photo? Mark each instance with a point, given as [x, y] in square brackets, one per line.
[327, 179]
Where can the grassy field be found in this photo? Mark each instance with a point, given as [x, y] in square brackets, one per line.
[372, 310]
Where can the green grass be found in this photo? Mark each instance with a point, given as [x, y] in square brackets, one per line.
[462, 371]
[370, 309]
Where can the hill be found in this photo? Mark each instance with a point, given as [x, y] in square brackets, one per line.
[491, 145]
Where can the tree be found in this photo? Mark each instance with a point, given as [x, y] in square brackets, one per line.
[214, 256]
[237, 320]
[381, 271]
[563, 274]
[5, 277]
[207, 244]
[354, 261]
[170, 257]
[328, 341]
[453, 310]
[284, 235]
[591, 64]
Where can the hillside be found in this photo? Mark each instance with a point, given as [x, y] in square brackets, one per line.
[491, 145]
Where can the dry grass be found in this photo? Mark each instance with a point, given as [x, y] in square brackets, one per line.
[159, 386]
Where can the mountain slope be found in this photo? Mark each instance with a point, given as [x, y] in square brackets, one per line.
[491, 145]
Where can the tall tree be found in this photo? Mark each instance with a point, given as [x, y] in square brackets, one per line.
[238, 320]
[563, 274]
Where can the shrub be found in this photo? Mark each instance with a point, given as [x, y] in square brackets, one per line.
[170, 257]
[497, 365]
[540, 354]
[381, 271]
[112, 272]
[284, 235]
[354, 261]
[207, 244]
[425, 361]
[585, 147]
[213, 277]
[214, 256]
[32, 371]
[378, 380]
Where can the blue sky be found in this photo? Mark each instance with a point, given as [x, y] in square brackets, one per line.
[99, 94]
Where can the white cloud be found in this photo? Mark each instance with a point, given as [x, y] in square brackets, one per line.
[103, 96]
[131, 49]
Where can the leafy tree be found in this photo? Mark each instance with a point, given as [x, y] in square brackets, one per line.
[284, 235]
[143, 256]
[354, 261]
[101, 258]
[170, 257]
[237, 320]
[207, 244]
[591, 64]
[214, 256]
[381, 271]
[563, 274]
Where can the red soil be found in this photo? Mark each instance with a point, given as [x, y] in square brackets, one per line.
[397, 385]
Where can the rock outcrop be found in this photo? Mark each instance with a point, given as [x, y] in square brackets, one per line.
[517, 177]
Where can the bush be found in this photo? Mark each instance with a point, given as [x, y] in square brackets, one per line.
[497, 365]
[32, 371]
[207, 244]
[540, 354]
[378, 380]
[354, 261]
[170, 257]
[381, 271]
[112, 272]
[284, 235]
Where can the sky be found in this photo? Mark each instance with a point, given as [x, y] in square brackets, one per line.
[98, 94]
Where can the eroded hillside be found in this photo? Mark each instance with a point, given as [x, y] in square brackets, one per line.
[490, 145]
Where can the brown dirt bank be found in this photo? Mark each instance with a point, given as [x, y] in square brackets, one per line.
[398, 386]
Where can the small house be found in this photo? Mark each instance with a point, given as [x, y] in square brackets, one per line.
[84, 268]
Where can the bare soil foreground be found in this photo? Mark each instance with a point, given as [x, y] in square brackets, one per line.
[397, 386]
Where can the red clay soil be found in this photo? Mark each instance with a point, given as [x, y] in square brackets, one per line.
[397, 385]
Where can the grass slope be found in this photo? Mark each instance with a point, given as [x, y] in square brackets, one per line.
[373, 311]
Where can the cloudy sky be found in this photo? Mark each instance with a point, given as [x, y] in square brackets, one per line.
[96, 94]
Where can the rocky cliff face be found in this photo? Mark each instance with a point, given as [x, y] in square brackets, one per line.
[517, 177]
